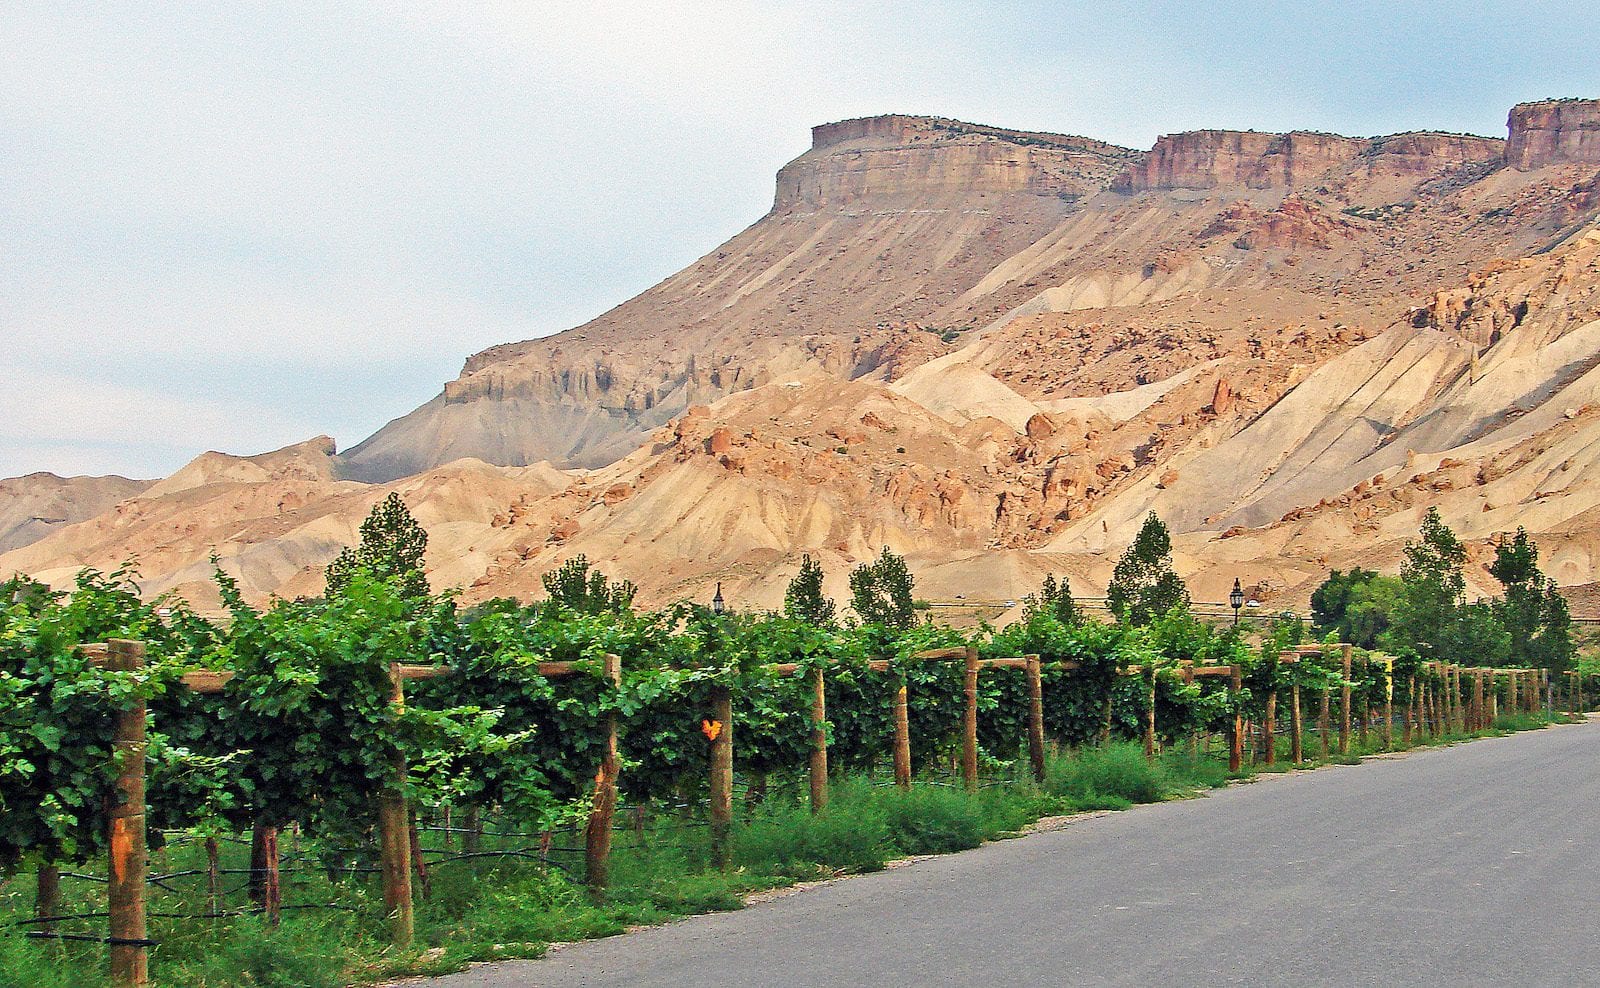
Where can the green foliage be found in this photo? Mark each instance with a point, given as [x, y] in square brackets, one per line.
[1532, 612]
[1433, 587]
[881, 592]
[1355, 606]
[392, 547]
[1052, 599]
[1144, 584]
[1110, 776]
[804, 599]
[574, 586]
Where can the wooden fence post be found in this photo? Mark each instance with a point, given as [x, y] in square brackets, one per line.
[969, 726]
[819, 741]
[1036, 717]
[1511, 692]
[1389, 704]
[47, 896]
[1236, 740]
[721, 774]
[1366, 702]
[1150, 712]
[394, 835]
[597, 836]
[1344, 703]
[902, 736]
[1458, 700]
[1297, 742]
[1322, 724]
[128, 854]
[1269, 724]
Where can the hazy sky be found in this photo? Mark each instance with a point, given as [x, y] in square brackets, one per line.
[236, 226]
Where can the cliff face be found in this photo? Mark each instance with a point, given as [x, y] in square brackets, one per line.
[1208, 159]
[893, 237]
[893, 156]
[1553, 132]
[877, 235]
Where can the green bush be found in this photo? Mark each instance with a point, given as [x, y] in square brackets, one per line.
[851, 834]
[931, 819]
[1108, 777]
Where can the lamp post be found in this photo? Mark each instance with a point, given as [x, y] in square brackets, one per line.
[1236, 600]
[717, 603]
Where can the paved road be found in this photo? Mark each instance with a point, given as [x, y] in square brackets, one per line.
[1472, 865]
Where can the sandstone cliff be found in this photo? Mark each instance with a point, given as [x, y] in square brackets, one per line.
[1553, 132]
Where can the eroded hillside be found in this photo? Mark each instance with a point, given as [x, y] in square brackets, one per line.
[995, 351]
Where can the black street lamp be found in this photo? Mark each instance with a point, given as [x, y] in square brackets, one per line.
[1236, 599]
[717, 604]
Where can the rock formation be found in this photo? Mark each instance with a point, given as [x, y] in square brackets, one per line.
[996, 351]
[1553, 132]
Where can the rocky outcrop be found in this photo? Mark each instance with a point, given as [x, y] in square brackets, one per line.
[1206, 159]
[1552, 132]
[898, 156]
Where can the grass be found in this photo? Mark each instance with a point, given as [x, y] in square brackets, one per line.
[502, 908]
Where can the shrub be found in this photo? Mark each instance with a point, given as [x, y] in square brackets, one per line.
[1106, 776]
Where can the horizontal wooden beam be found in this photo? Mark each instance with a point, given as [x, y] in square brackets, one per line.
[935, 654]
[1213, 670]
[1006, 663]
[207, 680]
[407, 671]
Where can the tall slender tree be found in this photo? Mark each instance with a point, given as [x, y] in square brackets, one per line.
[392, 545]
[804, 598]
[1144, 584]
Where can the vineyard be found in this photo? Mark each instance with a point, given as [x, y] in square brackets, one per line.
[387, 737]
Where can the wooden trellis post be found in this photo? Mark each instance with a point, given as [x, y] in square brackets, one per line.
[1388, 704]
[1150, 712]
[128, 854]
[902, 737]
[1366, 704]
[819, 740]
[597, 835]
[721, 773]
[1344, 702]
[1269, 724]
[1296, 742]
[1322, 724]
[969, 724]
[1036, 716]
[1236, 741]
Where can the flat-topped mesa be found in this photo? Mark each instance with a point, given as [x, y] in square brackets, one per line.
[1208, 159]
[1553, 132]
[898, 155]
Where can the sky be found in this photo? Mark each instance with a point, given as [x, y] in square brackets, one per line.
[239, 226]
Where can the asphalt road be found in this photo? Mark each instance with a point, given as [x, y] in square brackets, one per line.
[1473, 865]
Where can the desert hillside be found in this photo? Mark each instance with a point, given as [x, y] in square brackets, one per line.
[995, 350]
[32, 507]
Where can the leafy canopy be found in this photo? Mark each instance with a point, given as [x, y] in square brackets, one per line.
[880, 592]
[576, 587]
[804, 599]
[392, 546]
[1144, 584]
